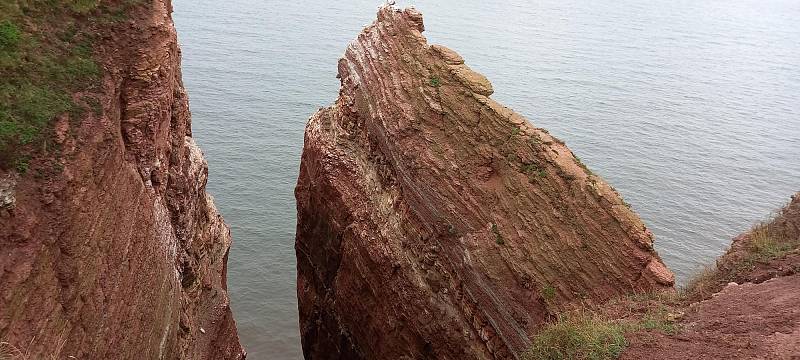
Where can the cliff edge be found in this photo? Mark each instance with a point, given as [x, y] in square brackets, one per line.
[112, 249]
[746, 307]
[433, 222]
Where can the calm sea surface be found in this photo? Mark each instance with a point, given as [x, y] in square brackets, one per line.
[691, 109]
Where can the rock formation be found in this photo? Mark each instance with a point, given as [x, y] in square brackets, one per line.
[745, 308]
[111, 247]
[434, 222]
[770, 249]
[784, 230]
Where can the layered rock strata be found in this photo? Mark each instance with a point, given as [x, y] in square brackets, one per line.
[433, 222]
[112, 249]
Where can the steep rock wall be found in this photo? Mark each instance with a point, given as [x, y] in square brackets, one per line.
[112, 249]
[434, 222]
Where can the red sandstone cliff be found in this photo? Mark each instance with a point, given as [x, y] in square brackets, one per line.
[435, 223]
[111, 248]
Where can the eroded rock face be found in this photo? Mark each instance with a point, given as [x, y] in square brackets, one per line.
[434, 222]
[114, 250]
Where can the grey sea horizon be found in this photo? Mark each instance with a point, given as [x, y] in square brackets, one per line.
[690, 109]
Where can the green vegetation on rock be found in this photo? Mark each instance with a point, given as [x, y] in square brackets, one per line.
[9, 36]
[435, 81]
[578, 337]
[497, 237]
[46, 56]
[548, 292]
[767, 241]
[586, 334]
[82, 6]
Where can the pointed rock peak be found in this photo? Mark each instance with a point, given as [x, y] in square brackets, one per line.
[411, 17]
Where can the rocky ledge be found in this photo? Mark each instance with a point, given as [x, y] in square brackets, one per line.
[433, 222]
[744, 308]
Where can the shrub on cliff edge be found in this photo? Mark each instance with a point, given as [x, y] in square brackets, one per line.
[766, 242]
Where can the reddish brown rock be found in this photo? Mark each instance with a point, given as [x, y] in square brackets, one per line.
[111, 247]
[746, 308]
[434, 222]
[748, 321]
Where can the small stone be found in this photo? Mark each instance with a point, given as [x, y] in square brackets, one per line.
[474, 81]
[202, 330]
[675, 316]
[660, 272]
[450, 57]
[8, 199]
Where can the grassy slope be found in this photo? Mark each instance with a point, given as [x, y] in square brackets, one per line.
[46, 57]
[753, 257]
[599, 333]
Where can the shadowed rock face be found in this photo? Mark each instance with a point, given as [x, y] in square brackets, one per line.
[434, 222]
[111, 248]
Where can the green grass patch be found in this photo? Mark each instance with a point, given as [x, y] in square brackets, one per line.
[533, 170]
[547, 292]
[82, 6]
[529, 168]
[9, 36]
[435, 81]
[767, 241]
[586, 334]
[542, 173]
[578, 337]
[46, 55]
[22, 163]
[658, 320]
[768, 244]
[497, 237]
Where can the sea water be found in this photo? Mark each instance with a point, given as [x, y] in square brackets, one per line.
[691, 109]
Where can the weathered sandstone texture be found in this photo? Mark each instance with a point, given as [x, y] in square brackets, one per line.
[111, 248]
[434, 222]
